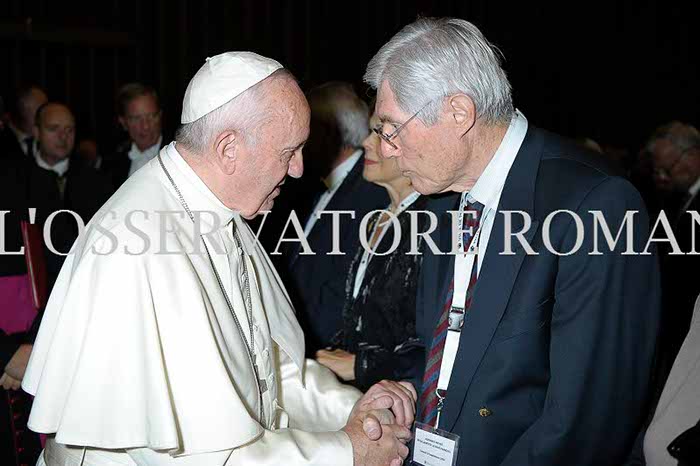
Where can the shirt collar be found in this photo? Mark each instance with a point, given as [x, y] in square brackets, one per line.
[201, 201]
[488, 188]
[135, 153]
[60, 168]
[336, 177]
[694, 188]
[19, 134]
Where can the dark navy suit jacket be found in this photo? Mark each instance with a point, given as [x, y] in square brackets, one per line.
[557, 349]
[317, 283]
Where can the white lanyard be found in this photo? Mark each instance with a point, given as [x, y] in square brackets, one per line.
[464, 264]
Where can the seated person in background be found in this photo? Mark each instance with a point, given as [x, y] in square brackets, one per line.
[333, 164]
[140, 115]
[16, 138]
[51, 180]
[88, 153]
[378, 337]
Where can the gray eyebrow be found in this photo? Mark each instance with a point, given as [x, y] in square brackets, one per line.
[295, 148]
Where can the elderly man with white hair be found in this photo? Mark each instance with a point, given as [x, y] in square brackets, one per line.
[169, 339]
[541, 334]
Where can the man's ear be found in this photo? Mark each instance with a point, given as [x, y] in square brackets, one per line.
[227, 147]
[122, 122]
[35, 132]
[463, 112]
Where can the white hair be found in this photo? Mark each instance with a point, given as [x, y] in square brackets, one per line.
[337, 104]
[433, 58]
[682, 136]
[354, 124]
[245, 114]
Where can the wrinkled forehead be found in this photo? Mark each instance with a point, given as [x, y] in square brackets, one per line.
[288, 120]
[386, 108]
[664, 151]
[57, 115]
[146, 102]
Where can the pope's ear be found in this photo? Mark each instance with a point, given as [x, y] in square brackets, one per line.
[227, 148]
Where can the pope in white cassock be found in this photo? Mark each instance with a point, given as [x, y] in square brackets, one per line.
[169, 339]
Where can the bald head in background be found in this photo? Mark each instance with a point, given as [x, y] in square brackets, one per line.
[54, 131]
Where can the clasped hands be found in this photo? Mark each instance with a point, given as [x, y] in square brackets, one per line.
[379, 425]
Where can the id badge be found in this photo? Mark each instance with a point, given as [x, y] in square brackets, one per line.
[434, 447]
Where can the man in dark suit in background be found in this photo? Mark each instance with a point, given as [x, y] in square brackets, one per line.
[47, 181]
[552, 352]
[674, 149]
[140, 115]
[16, 138]
[332, 181]
[52, 181]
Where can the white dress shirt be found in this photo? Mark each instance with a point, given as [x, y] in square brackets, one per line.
[60, 168]
[488, 188]
[140, 158]
[692, 192]
[332, 182]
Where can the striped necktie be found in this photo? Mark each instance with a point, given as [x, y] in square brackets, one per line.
[428, 400]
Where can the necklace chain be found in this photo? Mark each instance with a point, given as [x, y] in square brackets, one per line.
[250, 347]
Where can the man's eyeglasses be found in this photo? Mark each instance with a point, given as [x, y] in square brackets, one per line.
[379, 129]
[146, 117]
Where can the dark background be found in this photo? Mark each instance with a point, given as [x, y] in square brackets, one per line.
[611, 71]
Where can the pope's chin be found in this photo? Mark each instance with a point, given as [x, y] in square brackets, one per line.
[265, 206]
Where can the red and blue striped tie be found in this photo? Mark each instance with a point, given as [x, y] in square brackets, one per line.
[428, 401]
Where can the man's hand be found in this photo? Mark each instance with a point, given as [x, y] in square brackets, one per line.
[400, 397]
[339, 361]
[9, 383]
[18, 364]
[389, 450]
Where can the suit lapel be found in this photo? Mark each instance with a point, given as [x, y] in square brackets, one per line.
[320, 236]
[491, 295]
[498, 276]
[435, 271]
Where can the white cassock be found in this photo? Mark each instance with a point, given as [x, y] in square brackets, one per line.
[139, 360]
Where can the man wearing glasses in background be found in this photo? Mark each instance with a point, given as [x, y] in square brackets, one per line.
[140, 115]
[674, 149]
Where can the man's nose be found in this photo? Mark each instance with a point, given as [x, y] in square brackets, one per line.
[388, 150]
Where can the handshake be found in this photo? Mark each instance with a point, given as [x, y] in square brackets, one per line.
[379, 425]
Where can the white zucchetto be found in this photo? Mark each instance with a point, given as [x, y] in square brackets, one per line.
[222, 78]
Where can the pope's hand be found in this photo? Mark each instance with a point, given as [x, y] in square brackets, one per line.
[388, 450]
[400, 397]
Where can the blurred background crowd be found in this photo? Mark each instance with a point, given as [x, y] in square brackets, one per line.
[90, 93]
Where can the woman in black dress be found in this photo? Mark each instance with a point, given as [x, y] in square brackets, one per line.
[378, 339]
